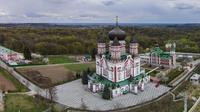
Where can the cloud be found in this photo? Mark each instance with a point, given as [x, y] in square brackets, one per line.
[144, 11]
[39, 15]
[183, 6]
[108, 3]
[3, 13]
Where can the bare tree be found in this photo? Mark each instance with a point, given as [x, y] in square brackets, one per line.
[51, 92]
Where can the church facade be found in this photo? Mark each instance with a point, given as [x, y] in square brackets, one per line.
[160, 58]
[117, 67]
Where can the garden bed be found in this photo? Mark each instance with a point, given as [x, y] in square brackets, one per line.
[10, 83]
[42, 75]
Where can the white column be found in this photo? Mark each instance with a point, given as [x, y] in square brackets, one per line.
[135, 89]
[130, 87]
[89, 84]
[93, 88]
[142, 86]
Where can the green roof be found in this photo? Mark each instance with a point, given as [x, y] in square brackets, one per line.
[123, 56]
[100, 79]
[87, 56]
[161, 53]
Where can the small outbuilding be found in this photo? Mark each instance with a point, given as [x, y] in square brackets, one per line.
[195, 79]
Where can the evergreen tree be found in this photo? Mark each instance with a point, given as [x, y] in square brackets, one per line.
[77, 75]
[94, 52]
[106, 93]
[85, 78]
[88, 70]
[27, 53]
[130, 78]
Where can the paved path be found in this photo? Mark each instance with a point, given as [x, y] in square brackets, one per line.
[71, 94]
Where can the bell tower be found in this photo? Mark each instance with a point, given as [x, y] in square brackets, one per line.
[101, 45]
[115, 50]
[133, 47]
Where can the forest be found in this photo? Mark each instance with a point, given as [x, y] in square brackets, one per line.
[66, 40]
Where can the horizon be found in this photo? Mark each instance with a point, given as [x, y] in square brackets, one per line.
[99, 11]
[110, 23]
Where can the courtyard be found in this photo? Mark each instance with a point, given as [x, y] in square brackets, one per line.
[74, 94]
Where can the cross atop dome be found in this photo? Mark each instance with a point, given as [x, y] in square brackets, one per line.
[117, 19]
[117, 32]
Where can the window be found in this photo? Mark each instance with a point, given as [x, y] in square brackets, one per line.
[119, 76]
[111, 69]
[119, 68]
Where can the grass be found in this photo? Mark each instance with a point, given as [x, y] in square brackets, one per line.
[58, 59]
[20, 87]
[152, 73]
[80, 67]
[24, 103]
[197, 109]
[173, 74]
[166, 104]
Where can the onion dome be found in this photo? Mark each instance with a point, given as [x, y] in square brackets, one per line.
[117, 32]
[115, 42]
[101, 39]
[134, 40]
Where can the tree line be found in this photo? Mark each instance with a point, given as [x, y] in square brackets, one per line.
[55, 41]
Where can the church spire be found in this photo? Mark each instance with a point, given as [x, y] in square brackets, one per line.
[117, 21]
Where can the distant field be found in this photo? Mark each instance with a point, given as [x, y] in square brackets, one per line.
[80, 67]
[58, 59]
[23, 103]
[10, 83]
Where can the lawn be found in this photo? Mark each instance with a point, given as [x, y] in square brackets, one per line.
[58, 59]
[20, 87]
[173, 74]
[80, 67]
[197, 109]
[23, 103]
[152, 73]
[166, 104]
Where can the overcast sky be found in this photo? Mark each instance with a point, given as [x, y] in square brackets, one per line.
[101, 11]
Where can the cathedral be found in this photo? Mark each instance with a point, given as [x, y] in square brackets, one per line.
[118, 67]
